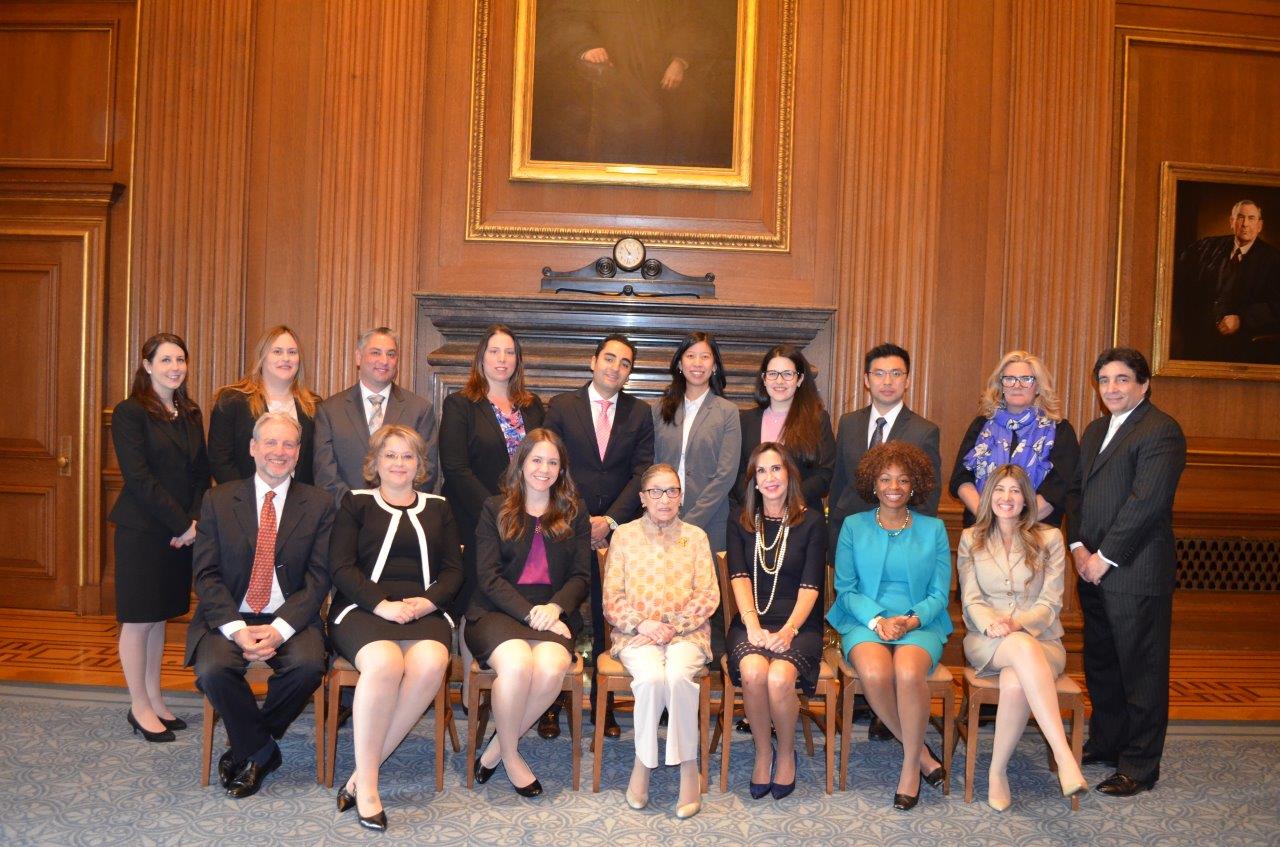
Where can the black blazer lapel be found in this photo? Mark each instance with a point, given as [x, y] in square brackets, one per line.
[900, 425]
[1126, 429]
[288, 520]
[582, 409]
[751, 429]
[621, 420]
[245, 508]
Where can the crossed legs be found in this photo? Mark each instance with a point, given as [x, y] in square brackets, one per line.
[895, 680]
[398, 679]
[530, 675]
[1027, 687]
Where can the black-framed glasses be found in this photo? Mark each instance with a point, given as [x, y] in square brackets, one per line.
[774, 376]
[1009, 380]
[663, 493]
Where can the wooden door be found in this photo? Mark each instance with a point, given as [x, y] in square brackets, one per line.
[44, 391]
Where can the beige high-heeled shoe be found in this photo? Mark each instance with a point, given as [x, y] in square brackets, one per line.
[1074, 787]
[636, 801]
[688, 810]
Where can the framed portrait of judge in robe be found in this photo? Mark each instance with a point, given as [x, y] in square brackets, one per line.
[634, 92]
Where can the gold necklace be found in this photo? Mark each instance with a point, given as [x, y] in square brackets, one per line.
[893, 533]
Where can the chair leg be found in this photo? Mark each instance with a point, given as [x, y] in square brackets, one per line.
[473, 726]
[829, 732]
[597, 741]
[317, 705]
[948, 738]
[443, 713]
[728, 708]
[331, 728]
[704, 730]
[575, 729]
[846, 731]
[805, 717]
[1077, 742]
[971, 747]
[206, 742]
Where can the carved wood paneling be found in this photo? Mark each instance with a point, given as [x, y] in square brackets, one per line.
[189, 178]
[892, 186]
[369, 239]
[1057, 233]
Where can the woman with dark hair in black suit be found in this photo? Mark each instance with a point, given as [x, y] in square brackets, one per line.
[159, 443]
[533, 561]
[275, 383]
[789, 411]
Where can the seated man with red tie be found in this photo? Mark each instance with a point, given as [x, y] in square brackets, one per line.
[261, 572]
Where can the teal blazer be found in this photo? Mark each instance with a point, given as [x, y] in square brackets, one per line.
[862, 557]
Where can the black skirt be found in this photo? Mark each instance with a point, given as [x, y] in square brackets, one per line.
[486, 632]
[153, 580]
[360, 627]
[805, 654]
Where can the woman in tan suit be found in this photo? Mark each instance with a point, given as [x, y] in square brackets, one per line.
[1011, 575]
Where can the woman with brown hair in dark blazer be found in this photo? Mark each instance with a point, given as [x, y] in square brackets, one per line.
[533, 563]
[159, 443]
[481, 427]
[275, 383]
[789, 411]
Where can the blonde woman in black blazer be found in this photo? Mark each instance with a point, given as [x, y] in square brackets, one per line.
[396, 565]
[159, 442]
[533, 562]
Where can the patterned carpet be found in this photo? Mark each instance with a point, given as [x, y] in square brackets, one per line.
[75, 776]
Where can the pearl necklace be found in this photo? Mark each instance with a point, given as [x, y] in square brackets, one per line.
[893, 533]
[761, 563]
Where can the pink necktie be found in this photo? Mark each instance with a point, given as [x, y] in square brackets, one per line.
[602, 427]
[264, 557]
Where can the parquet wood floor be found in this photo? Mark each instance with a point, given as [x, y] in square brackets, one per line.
[56, 647]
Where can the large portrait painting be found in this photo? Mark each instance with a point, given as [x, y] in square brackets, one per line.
[1218, 274]
[634, 92]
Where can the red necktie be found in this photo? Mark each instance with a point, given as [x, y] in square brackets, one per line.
[264, 557]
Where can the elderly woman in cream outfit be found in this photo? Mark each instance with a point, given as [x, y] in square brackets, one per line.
[1011, 576]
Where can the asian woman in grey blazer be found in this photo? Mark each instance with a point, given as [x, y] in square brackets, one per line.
[697, 431]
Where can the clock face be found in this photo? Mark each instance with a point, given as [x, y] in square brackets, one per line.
[628, 253]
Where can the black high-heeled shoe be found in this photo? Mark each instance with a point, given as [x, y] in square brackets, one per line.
[479, 771]
[346, 799]
[778, 790]
[759, 789]
[377, 822]
[162, 735]
[174, 724]
[906, 802]
[533, 789]
[936, 776]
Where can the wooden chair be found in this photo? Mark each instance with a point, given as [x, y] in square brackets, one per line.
[481, 680]
[612, 676]
[342, 674]
[257, 675]
[980, 690]
[827, 689]
[941, 687]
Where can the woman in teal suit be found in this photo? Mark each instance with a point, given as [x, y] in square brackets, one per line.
[893, 578]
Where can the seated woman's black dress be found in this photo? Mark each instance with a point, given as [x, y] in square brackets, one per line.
[801, 568]
[351, 628]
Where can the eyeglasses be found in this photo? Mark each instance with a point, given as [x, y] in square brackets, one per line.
[880, 373]
[1009, 380]
[774, 376]
[663, 493]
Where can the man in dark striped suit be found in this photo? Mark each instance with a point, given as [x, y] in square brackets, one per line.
[1121, 535]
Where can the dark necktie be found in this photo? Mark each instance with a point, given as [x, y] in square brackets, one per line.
[877, 437]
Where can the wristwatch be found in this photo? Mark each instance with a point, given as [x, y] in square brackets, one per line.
[874, 623]
[613, 525]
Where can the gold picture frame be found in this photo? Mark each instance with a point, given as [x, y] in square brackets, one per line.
[636, 145]
[1195, 238]
[491, 135]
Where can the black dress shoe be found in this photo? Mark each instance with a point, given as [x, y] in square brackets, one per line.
[161, 736]
[906, 802]
[611, 728]
[759, 789]
[549, 723]
[174, 724]
[228, 767]
[742, 726]
[936, 776]
[877, 731]
[479, 771]
[778, 790]
[377, 822]
[533, 789]
[346, 799]
[1098, 759]
[249, 780]
[1123, 785]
